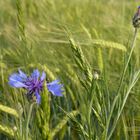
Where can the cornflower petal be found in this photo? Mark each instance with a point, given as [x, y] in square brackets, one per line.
[22, 74]
[43, 76]
[16, 81]
[38, 97]
[35, 75]
[17, 84]
[55, 88]
[15, 77]
[54, 82]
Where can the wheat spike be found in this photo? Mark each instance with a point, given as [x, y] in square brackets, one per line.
[9, 110]
[109, 44]
[80, 59]
[7, 130]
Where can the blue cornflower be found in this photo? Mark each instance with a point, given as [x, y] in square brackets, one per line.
[34, 84]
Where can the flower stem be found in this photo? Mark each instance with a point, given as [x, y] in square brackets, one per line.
[28, 120]
[121, 81]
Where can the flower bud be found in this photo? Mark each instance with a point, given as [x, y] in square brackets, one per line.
[15, 128]
[96, 75]
[136, 19]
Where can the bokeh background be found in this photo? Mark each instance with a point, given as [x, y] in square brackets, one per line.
[34, 34]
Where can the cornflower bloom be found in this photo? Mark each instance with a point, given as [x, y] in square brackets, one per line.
[34, 84]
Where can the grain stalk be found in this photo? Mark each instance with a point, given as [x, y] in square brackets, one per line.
[120, 85]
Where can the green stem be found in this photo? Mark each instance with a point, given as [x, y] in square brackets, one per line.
[92, 88]
[121, 81]
[20, 121]
[121, 109]
[28, 120]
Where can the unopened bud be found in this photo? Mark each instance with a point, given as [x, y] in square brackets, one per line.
[15, 128]
[96, 75]
[136, 19]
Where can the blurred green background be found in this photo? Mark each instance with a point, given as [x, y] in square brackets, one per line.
[33, 34]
